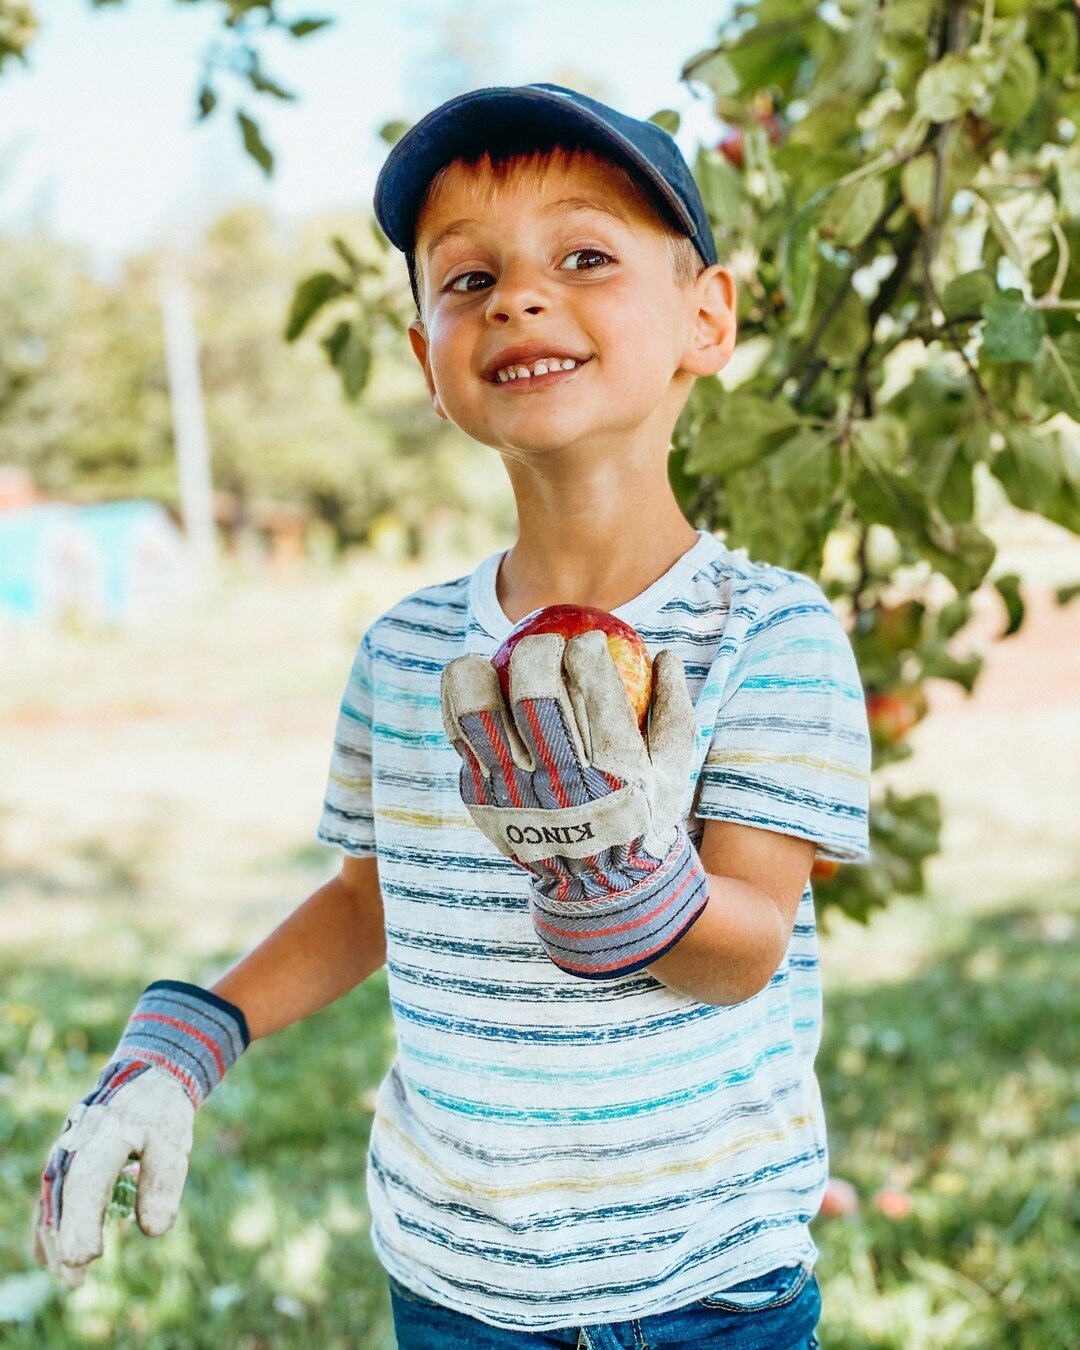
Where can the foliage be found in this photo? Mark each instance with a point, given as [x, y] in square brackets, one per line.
[898, 197]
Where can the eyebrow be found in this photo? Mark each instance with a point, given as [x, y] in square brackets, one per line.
[457, 227]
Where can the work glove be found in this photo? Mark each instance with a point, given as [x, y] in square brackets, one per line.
[564, 784]
[177, 1046]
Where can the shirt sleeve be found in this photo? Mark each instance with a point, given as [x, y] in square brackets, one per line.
[791, 747]
[348, 816]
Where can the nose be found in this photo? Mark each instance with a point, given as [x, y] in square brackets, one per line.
[518, 291]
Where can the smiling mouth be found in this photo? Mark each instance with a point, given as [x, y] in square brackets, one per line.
[524, 383]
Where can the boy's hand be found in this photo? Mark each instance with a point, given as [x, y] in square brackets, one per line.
[179, 1042]
[567, 788]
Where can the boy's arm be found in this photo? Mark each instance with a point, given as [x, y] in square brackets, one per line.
[328, 945]
[756, 880]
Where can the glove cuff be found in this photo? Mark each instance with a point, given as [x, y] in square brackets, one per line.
[606, 939]
[184, 1030]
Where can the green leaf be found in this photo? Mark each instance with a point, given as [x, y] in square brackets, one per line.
[744, 428]
[888, 499]
[798, 253]
[309, 297]
[1017, 87]
[1057, 373]
[1013, 329]
[721, 188]
[848, 331]
[1028, 469]
[962, 552]
[265, 85]
[882, 440]
[806, 468]
[354, 359]
[950, 87]
[966, 293]
[712, 68]
[302, 27]
[917, 186]
[253, 143]
[1068, 176]
[852, 210]
[207, 101]
[668, 119]
[1008, 587]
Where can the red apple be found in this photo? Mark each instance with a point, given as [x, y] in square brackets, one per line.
[892, 715]
[731, 147]
[823, 869]
[625, 644]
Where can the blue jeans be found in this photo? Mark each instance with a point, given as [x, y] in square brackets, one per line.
[777, 1311]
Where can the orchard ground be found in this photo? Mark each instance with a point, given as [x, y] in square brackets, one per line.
[157, 810]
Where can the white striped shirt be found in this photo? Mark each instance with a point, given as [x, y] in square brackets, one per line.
[549, 1151]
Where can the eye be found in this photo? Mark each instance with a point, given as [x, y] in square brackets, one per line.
[595, 252]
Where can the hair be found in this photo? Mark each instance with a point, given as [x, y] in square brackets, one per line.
[528, 166]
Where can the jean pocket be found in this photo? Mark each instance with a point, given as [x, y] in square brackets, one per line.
[763, 1292]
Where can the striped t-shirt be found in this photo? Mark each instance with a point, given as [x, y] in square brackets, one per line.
[549, 1151]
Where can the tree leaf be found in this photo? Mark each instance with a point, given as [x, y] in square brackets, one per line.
[806, 467]
[1013, 329]
[797, 270]
[309, 297]
[744, 427]
[852, 210]
[254, 144]
[302, 27]
[1028, 469]
[666, 118]
[917, 186]
[1008, 587]
[1017, 87]
[950, 87]
[207, 101]
[966, 293]
[1057, 373]
[883, 440]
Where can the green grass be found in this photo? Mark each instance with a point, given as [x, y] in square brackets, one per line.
[960, 1079]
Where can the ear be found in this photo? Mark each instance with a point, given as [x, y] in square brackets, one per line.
[419, 342]
[714, 326]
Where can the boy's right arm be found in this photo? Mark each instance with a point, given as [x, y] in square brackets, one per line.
[179, 1042]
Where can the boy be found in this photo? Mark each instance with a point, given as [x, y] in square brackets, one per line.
[602, 1127]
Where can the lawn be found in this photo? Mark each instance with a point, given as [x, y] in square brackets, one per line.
[146, 830]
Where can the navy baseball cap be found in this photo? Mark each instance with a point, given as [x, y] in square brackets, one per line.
[518, 118]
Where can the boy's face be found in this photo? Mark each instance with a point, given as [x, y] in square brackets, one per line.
[528, 266]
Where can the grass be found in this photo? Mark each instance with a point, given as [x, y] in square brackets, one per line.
[957, 1083]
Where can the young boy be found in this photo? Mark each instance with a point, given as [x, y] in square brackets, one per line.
[602, 1127]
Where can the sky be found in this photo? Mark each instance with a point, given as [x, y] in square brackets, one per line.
[100, 145]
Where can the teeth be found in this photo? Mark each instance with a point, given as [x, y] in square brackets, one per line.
[540, 367]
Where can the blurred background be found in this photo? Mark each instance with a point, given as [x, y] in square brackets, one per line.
[197, 523]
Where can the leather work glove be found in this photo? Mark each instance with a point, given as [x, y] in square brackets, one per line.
[177, 1046]
[567, 787]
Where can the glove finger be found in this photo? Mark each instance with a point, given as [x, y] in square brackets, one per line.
[88, 1186]
[671, 727]
[549, 726]
[473, 711]
[617, 747]
[162, 1174]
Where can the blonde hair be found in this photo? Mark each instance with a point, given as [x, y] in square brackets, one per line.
[528, 167]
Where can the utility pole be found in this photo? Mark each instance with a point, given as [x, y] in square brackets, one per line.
[189, 421]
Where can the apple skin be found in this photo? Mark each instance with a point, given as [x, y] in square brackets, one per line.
[892, 715]
[823, 869]
[626, 645]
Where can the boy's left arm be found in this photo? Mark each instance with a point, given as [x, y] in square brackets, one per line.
[756, 880]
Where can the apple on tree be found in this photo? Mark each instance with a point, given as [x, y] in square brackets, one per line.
[625, 643]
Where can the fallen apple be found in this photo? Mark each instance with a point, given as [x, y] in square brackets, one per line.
[625, 644]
